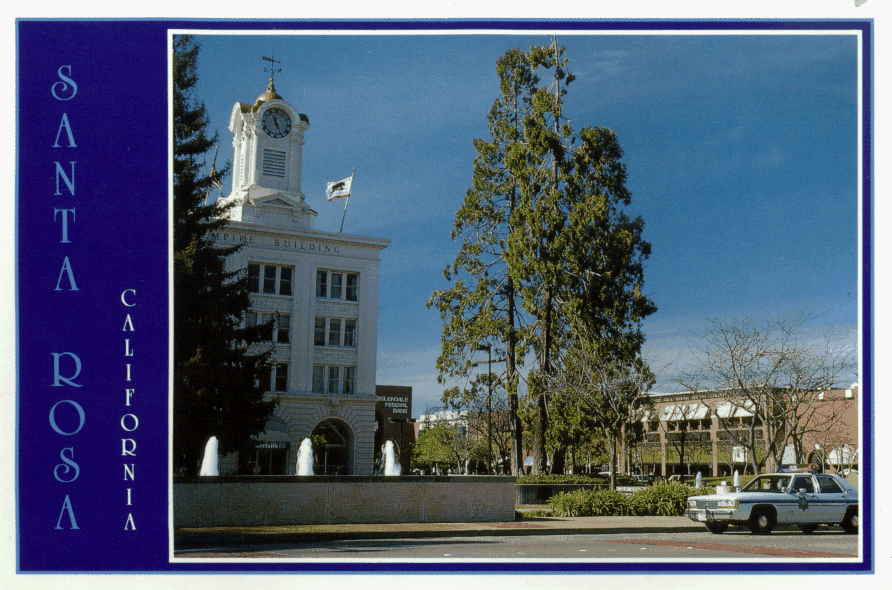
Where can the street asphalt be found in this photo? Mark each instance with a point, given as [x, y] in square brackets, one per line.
[192, 537]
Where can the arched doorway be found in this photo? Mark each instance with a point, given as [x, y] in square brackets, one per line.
[332, 448]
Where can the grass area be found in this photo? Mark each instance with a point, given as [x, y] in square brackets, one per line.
[536, 514]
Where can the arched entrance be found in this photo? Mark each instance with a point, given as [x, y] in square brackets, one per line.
[332, 448]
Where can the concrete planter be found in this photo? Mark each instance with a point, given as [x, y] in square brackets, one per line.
[287, 500]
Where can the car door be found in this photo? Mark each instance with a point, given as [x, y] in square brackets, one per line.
[833, 499]
[805, 506]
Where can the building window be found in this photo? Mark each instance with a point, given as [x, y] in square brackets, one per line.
[274, 330]
[333, 380]
[283, 329]
[274, 378]
[285, 280]
[334, 332]
[352, 287]
[318, 379]
[280, 377]
[348, 380]
[330, 285]
[321, 283]
[254, 278]
[269, 279]
[350, 333]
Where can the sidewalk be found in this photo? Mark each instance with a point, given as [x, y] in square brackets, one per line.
[194, 537]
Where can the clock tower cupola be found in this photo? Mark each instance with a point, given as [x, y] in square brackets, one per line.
[268, 139]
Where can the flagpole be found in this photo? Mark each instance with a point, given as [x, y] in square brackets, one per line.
[347, 202]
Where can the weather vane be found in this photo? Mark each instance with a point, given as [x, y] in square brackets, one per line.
[272, 69]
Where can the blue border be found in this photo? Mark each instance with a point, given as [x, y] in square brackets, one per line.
[153, 34]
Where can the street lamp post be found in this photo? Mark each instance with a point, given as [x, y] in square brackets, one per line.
[488, 349]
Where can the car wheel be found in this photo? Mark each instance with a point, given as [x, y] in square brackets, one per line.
[762, 521]
[808, 529]
[850, 522]
[716, 528]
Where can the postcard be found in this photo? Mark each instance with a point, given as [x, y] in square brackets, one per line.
[238, 351]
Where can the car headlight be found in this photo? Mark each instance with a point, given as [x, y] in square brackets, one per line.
[727, 504]
[692, 503]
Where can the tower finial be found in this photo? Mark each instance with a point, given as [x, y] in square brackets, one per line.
[272, 69]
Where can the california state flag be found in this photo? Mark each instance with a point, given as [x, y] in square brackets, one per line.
[339, 189]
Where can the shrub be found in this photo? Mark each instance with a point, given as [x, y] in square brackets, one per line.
[590, 503]
[662, 499]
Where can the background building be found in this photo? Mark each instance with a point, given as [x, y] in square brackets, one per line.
[393, 421]
[686, 433]
[321, 290]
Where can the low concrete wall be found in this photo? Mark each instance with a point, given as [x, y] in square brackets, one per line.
[286, 500]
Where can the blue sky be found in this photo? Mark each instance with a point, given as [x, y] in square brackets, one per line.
[741, 153]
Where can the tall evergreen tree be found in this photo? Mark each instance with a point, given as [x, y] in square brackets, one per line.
[552, 257]
[218, 378]
[579, 255]
[486, 310]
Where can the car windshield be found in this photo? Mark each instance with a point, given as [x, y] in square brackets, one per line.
[767, 483]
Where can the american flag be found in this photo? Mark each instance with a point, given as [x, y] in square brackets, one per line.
[215, 178]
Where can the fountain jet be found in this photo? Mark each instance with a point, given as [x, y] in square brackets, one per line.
[391, 467]
[209, 462]
[305, 458]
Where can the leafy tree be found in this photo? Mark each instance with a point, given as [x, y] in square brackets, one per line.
[577, 431]
[218, 382]
[488, 416]
[485, 308]
[446, 438]
[607, 385]
[771, 373]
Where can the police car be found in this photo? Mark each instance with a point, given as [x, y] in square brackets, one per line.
[800, 497]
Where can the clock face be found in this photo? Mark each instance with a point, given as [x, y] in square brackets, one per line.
[276, 123]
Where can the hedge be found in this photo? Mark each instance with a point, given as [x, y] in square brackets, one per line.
[662, 499]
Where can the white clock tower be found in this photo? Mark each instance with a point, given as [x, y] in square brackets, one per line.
[268, 139]
[318, 289]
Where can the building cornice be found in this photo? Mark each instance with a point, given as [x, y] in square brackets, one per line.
[309, 234]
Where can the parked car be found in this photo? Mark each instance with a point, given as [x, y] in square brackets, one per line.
[804, 499]
[642, 478]
[682, 478]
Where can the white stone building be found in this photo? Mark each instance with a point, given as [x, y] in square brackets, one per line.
[323, 285]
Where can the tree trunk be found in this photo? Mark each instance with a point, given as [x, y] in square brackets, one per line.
[546, 370]
[558, 461]
[612, 441]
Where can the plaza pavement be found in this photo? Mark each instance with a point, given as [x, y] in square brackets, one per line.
[191, 537]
